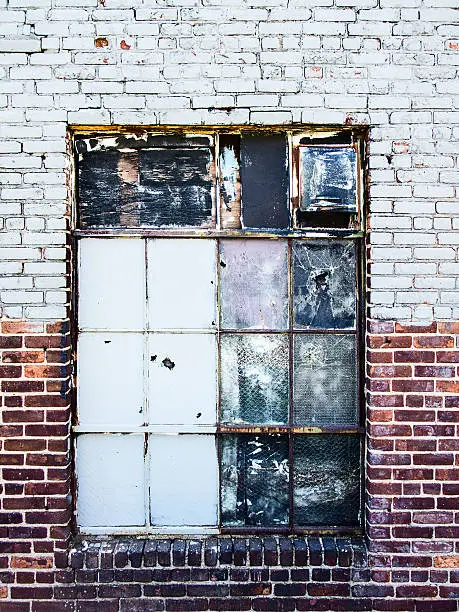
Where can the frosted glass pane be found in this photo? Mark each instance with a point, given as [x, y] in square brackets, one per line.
[326, 479]
[325, 380]
[255, 480]
[110, 378]
[253, 277]
[182, 378]
[181, 284]
[324, 282]
[183, 480]
[254, 378]
[110, 473]
[111, 280]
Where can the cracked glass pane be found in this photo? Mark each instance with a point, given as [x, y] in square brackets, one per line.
[324, 283]
[325, 380]
[254, 480]
[326, 480]
[328, 178]
[254, 378]
[253, 277]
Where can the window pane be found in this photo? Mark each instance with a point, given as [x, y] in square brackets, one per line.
[324, 280]
[182, 379]
[122, 183]
[264, 181]
[230, 181]
[254, 480]
[326, 479]
[254, 378]
[183, 480]
[325, 380]
[110, 480]
[328, 178]
[111, 280]
[110, 379]
[253, 277]
[181, 284]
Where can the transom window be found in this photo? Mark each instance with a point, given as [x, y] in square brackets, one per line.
[218, 324]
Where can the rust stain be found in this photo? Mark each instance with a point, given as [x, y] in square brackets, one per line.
[101, 42]
[124, 45]
[31, 562]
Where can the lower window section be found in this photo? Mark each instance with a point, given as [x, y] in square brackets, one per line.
[265, 481]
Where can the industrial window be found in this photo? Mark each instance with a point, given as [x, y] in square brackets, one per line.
[218, 331]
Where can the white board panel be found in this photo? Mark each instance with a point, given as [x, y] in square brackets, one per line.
[110, 378]
[182, 387]
[110, 472]
[181, 284]
[111, 279]
[183, 480]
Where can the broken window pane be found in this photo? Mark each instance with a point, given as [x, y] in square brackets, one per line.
[327, 178]
[254, 378]
[110, 480]
[181, 284]
[264, 181]
[133, 186]
[182, 379]
[254, 480]
[324, 281]
[253, 284]
[230, 181]
[325, 380]
[110, 379]
[326, 480]
[183, 480]
[111, 283]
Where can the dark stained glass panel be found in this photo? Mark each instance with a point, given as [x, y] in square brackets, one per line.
[254, 480]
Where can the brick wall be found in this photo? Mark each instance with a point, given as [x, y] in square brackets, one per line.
[391, 65]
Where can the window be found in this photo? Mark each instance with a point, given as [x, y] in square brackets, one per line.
[218, 331]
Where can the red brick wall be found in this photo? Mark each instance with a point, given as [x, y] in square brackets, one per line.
[411, 492]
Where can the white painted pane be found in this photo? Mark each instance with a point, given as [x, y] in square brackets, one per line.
[182, 378]
[110, 472]
[111, 283]
[181, 284]
[110, 378]
[183, 480]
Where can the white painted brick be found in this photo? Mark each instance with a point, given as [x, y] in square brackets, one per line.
[437, 253]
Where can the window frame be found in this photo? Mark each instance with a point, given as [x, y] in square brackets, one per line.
[355, 235]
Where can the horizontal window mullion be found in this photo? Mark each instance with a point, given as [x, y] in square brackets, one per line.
[214, 233]
[285, 429]
[156, 429]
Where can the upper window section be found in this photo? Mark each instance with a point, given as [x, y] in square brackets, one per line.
[220, 180]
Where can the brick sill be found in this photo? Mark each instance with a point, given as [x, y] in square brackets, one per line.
[205, 552]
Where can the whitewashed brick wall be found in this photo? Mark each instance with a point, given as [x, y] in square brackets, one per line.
[389, 64]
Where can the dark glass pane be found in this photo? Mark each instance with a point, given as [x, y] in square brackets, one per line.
[326, 480]
[324, 282]
[325, 380]
[264, 180]
[328, 178]
[253, 284]
[254, 480]
[145, 187]
[254, 378]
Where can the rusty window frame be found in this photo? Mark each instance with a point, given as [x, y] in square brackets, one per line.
[354, 234]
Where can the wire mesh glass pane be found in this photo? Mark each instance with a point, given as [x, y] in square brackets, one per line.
[254, 480]
[254, 378]
[326, 480]
[324, 281]
[325, 379]
[328, 178]
[253, 277]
